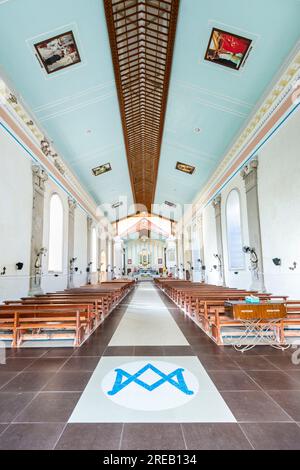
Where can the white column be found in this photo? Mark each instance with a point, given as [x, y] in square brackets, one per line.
[198, 250]
[39, 177]
[249, 174]
[220, 255]
[188, 254]
[109, 264]
[171, 255]
[118, 257]
[71, 260]
[89, 249]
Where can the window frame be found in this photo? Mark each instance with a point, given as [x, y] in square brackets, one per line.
[243, 267]
[50, 270]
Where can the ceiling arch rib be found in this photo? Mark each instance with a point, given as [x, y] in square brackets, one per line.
[142, 34]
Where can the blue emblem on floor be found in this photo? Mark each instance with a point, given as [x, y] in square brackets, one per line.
[179, 383]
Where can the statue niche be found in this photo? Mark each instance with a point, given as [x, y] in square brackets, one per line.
[144, 259]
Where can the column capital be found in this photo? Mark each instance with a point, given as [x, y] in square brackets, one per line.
[217, 200]
[40, 176]
[249, 168]
[249, 174]
[89, 222]
[217, 205]
[72, 204]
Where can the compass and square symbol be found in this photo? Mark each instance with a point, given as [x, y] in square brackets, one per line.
[152, 389]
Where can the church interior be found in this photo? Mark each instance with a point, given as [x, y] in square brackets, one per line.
[149, 225]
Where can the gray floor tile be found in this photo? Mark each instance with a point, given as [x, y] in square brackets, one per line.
[217, 362]
[15, 364]
[178, 351]
[262, 350]
[12, 404]
[90, 350]
[148, 351]
[215, 436]
[289, 400]
[232, 380]
[3, 427]
[50, 364]
[284, 362]
[28, 382]
[152, 436]
[59, 352]
[204, 349]
[90, 437]
[34, 436]
[273, 436]
[254, 406]
[294, 374]
[80, 364]
[49, 407]
[68, 381]
[274, 380]
[26, 352]
[5, 377]
[119, 351]
[253, 363]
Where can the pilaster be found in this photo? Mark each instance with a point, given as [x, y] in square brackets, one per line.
[39, 178]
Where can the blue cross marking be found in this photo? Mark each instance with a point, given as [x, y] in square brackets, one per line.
[135, 378]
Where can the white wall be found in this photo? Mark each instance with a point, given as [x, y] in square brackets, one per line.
[15, 217]
[279, 201]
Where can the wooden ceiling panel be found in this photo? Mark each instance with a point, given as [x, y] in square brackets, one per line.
[142, 35]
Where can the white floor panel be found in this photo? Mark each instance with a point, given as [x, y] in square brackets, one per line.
[147, 322]
[153, 389]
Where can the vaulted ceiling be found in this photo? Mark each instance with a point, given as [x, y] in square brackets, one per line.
[91, 108]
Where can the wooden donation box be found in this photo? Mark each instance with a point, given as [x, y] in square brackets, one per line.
[263, 311]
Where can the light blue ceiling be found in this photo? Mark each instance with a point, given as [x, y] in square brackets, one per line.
[75, 100]
[83, 97]
[214, 98]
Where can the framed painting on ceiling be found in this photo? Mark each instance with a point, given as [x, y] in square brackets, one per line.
[185, 168]
[58, 52]
[227, 49]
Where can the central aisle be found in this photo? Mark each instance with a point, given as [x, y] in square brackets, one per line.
[147, 322]
[173, 388]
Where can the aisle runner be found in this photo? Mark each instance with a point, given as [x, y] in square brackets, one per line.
[153, 389]
[150, 389]
[147, 322]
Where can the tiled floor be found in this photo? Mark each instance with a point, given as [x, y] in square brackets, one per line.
[39, 389]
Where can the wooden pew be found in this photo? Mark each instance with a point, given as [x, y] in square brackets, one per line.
[47, 317]
[292, 320]
[78, 310]
[205, 302]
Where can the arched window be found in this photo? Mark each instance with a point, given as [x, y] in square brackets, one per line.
[94, 250]
[236, 258]
[56, 220]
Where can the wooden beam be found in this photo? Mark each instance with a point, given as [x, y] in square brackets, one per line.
[142, 35]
